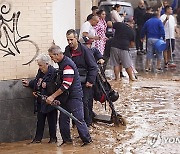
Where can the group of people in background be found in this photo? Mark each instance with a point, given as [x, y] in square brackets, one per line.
[78, 68]
[154, 26]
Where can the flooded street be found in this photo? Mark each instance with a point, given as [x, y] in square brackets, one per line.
[151, 107]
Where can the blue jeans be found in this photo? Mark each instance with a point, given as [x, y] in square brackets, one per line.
[150, 49]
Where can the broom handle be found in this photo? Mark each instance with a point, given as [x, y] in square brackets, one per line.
[170, 42]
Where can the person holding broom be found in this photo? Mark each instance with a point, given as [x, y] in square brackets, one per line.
[170, 29]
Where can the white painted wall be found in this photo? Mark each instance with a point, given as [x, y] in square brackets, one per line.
[85, 10]
[63, 19]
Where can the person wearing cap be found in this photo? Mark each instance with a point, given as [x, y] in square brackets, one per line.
[119, 53]
[87, 67]
[99, 59]
[96, 53]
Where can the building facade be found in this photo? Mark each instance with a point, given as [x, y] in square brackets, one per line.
[27, 29]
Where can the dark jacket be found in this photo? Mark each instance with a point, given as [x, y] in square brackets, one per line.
[75, 89]
[96, 53]
[84, 59]
[107, 49]
[148, 16]
[124, 35]
[139, 16]
[34, 84]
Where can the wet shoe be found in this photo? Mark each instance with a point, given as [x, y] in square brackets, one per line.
[86, 143]
[166, 65]
[65, 143]
[122, 75]
[143, 51]
[53, 140]
[140, 53]
[159, 70]
[35, 141]
[171, 65]
[147, 69]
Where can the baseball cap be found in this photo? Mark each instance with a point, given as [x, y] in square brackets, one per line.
[87, 40]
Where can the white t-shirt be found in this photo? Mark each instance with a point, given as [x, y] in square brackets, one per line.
[169, 26]
[87, 27]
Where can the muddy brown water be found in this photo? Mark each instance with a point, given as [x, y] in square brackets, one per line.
[151, 107]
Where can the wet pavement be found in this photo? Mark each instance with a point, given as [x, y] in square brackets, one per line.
[151, 107]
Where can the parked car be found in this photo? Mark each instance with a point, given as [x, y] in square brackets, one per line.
[125, 7]
[107, 7]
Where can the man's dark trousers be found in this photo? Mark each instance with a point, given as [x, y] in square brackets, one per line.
[74, 106]
[86, 96]
[139, 43]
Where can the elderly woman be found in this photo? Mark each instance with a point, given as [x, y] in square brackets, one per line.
[46, 74]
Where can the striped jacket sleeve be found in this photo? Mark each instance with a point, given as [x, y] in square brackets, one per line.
[68, 77]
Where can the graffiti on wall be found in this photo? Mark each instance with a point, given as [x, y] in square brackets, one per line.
[9, 34]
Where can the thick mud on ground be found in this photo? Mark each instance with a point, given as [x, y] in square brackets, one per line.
[151, 107]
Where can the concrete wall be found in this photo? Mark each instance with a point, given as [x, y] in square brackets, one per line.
[63, 19]
[39, 23]
[17, 120]
[30, 35]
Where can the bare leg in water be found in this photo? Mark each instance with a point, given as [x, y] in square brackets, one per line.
[130, 74]
[118, 72]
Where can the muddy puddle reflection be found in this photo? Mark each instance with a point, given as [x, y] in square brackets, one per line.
[151, 107]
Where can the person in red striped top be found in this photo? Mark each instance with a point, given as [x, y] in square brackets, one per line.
[69, 81]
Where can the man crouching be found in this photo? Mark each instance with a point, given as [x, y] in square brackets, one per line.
[70, 82]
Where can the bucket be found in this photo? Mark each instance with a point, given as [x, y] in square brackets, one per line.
[160, 45]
